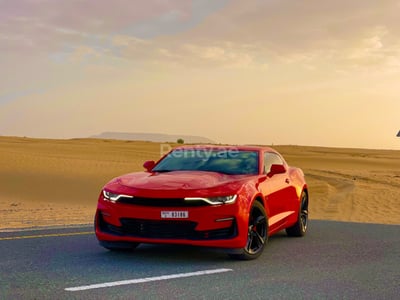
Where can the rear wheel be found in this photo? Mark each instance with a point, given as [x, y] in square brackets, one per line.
[300, 227]
[257, 234]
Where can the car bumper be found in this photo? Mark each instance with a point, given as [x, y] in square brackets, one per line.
[221, 226]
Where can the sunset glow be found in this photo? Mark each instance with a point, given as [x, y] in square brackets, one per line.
[247, 72]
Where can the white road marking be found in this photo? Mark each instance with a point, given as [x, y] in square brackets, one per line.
[147, 279]
[44, 235]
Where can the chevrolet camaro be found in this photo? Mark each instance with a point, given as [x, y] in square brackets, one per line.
[228, 197]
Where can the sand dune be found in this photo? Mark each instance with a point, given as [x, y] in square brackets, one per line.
[356, 185]
[56, 182]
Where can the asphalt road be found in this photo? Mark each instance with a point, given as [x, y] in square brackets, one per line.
[334, 261]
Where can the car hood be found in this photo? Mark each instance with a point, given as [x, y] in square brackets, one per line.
[186, 180]
[178, 183]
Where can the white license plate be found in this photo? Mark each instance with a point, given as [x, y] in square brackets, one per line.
[176, 214]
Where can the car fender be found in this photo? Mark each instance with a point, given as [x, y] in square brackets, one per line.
[297, 179]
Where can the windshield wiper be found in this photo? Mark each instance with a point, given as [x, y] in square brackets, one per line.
[162, 171]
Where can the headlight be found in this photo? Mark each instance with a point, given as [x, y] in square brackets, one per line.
[214, 200]
[113, 197]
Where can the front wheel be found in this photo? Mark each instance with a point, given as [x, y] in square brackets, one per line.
[300, 227]
[257, 234]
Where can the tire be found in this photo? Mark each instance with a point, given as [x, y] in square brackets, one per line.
[118, 246]
[257, 235]
[300, 227]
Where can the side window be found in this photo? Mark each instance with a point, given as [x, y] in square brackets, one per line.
[271, 159]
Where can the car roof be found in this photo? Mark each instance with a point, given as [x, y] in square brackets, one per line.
[226, 147]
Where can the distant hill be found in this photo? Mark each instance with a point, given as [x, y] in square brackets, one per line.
[153, 137]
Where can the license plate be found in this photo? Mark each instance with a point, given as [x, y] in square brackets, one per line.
[176, 214]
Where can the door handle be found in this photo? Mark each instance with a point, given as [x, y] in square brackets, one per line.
[287, 180]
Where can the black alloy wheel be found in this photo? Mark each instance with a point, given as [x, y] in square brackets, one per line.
[257, 235]
[300, 227]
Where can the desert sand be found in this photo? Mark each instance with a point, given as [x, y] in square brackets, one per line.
[47, 182]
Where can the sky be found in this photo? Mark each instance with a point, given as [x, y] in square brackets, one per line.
[299, 72]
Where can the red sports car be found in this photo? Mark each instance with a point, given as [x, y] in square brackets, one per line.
[214, 196]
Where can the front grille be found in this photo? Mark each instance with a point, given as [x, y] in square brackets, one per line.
[165, 229]
[158, 229]
[161, 202]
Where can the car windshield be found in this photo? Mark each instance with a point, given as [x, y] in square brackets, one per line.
[230, 161]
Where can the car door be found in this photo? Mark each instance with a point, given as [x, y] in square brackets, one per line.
[277, 190]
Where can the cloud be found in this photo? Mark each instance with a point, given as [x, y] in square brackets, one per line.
[306, 32]
[120, 40]
[5, 98]
[220, 32]
[177, 19]
[48, 25]
[221, 55]
[377, 48]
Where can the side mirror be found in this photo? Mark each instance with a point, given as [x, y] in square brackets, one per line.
[149, 165]
[276, 169]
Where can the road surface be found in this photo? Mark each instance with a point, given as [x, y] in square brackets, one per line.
[335, 260]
